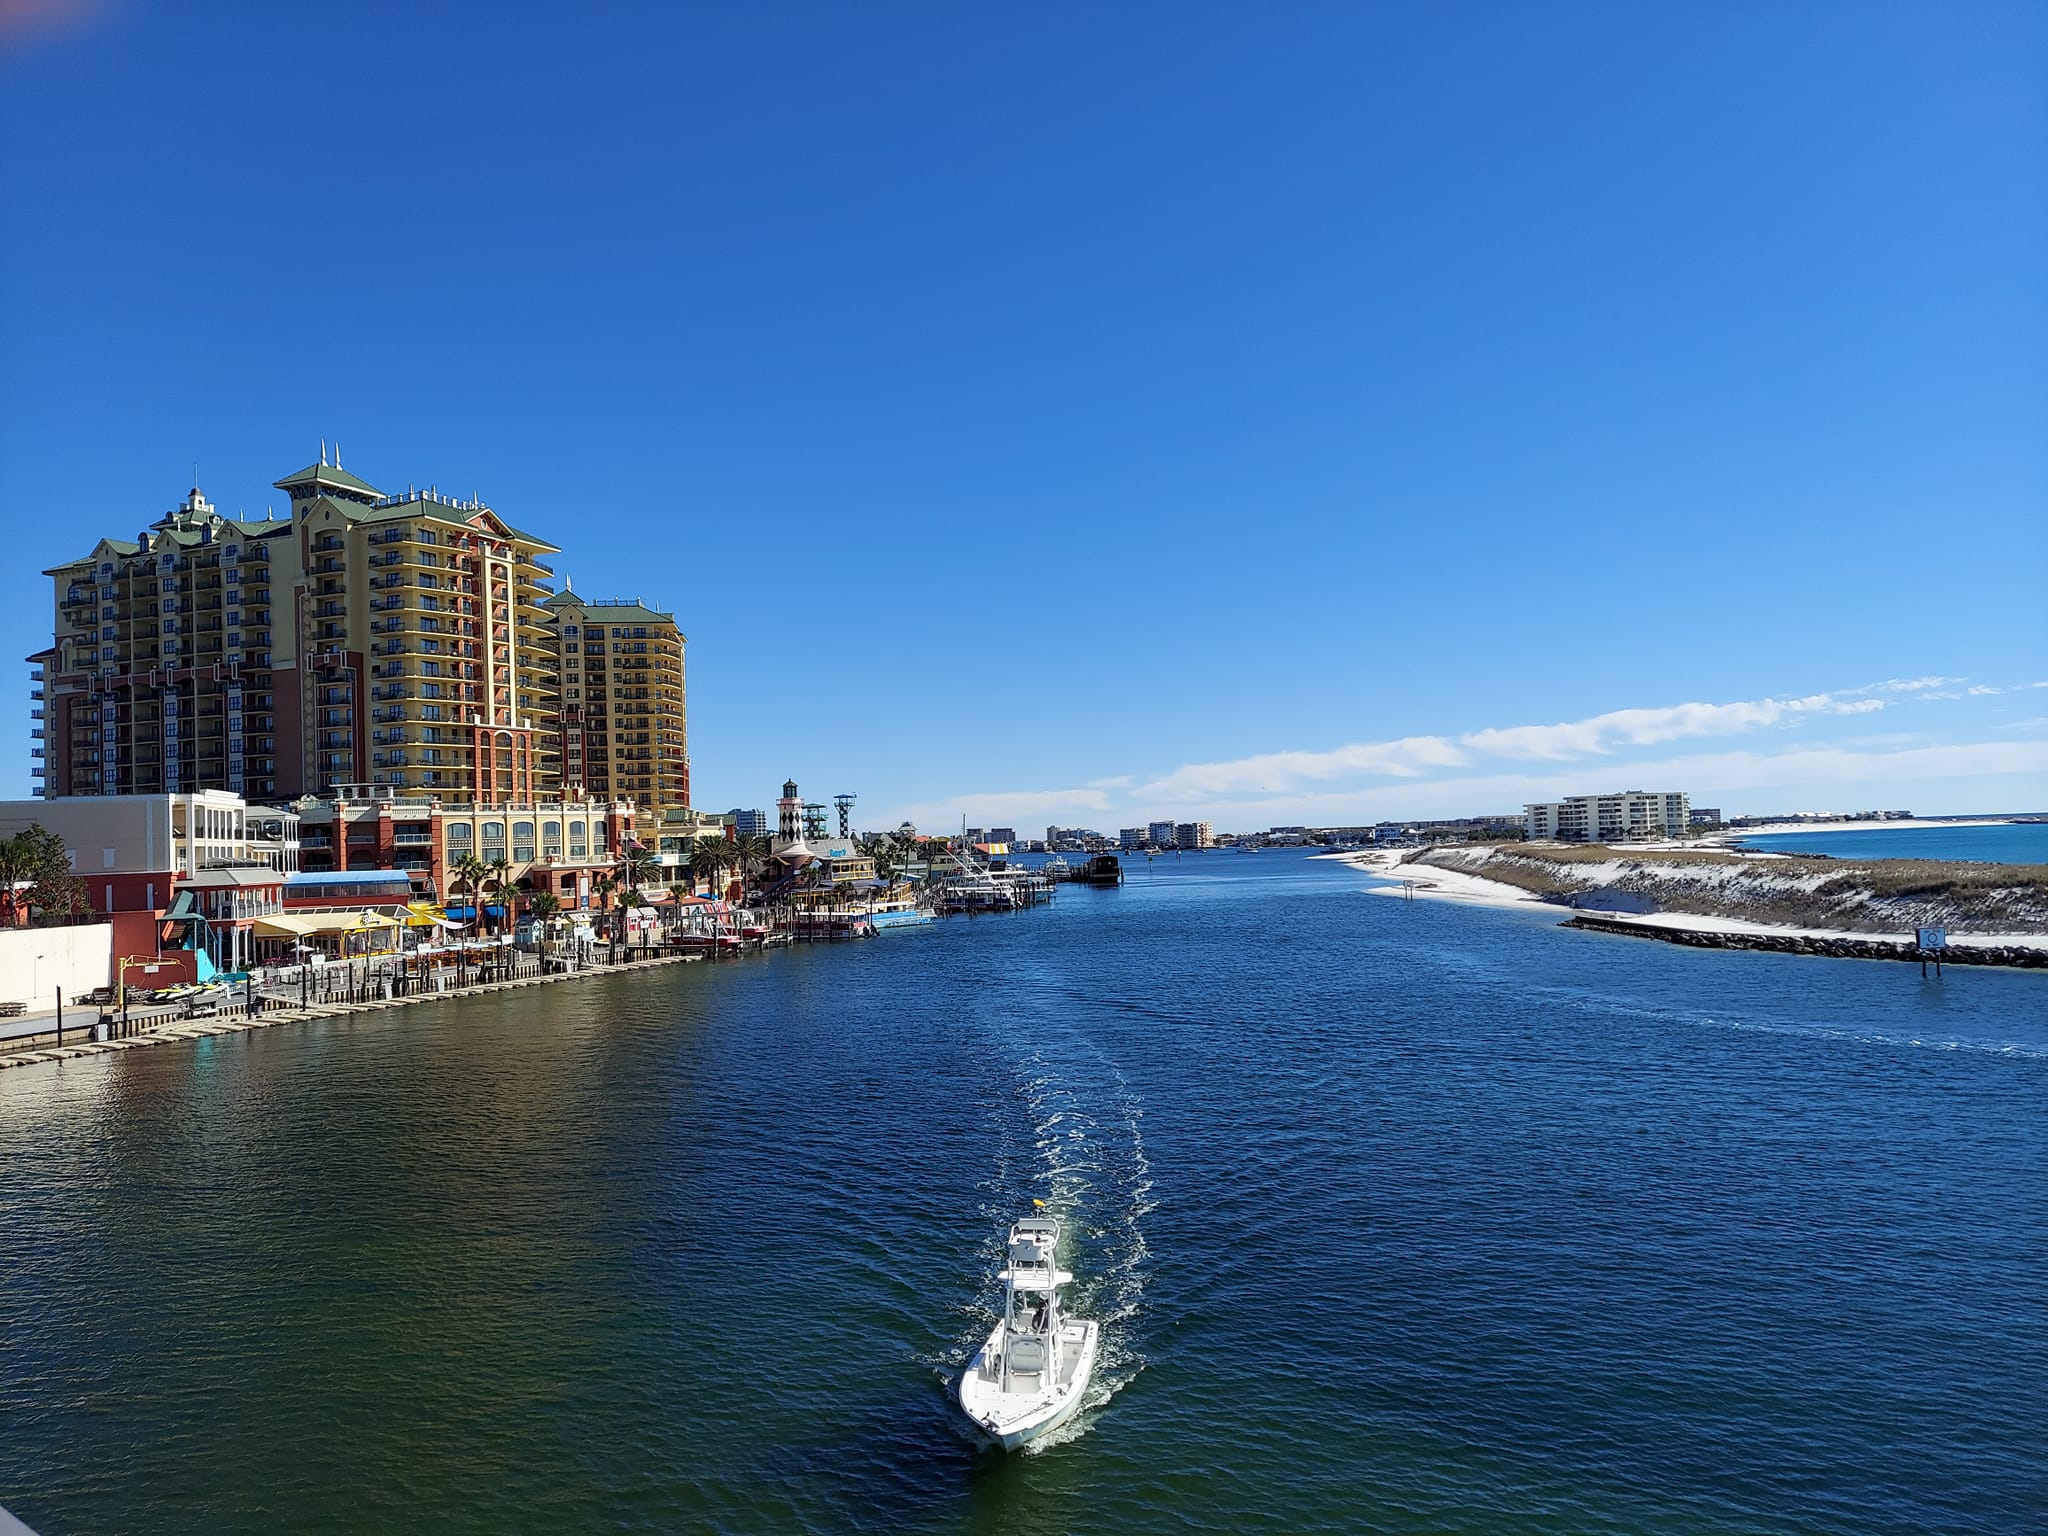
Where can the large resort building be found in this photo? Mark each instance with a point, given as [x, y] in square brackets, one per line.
[396, 667]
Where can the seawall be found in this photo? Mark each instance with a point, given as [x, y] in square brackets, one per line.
[1842, 948]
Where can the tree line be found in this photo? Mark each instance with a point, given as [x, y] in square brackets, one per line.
[36, 878]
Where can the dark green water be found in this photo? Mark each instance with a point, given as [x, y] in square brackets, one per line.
[1400, 1217]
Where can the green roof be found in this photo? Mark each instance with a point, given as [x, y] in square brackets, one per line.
[635, 612]
[425, 506]
[329, 475]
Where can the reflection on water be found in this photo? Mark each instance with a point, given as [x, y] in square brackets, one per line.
[1397, 1216]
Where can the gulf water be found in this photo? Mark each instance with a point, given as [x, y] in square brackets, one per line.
[1398, 1216]
[2023, 842]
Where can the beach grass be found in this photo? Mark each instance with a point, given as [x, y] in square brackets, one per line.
[1790, 890]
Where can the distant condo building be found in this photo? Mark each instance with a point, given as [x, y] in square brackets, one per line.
[360, 642]
[1131, 839]
[1615, 818]
[750, 823]
[1193, 834]
[1159, 834]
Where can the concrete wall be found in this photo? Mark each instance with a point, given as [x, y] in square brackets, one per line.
[76, 959]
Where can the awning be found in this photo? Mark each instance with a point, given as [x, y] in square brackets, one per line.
[305, 925]
[424, 914]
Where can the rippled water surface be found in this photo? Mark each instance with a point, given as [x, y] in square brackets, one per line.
[1999, 843]
[1400, 1216]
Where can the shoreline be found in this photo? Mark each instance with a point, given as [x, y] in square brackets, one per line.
[1698, 929]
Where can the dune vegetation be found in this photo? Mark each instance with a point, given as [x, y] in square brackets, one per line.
[1791, 890]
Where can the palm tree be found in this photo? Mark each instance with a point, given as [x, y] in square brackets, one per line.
[543, 905]
[500, 875]
[708, 858]
[468, 873]
[642, 866]
[754, 851]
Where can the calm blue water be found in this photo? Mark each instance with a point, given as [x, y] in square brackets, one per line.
[2018, 843]
[1400, 1217]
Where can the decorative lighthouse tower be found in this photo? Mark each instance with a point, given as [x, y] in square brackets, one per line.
[790, 814]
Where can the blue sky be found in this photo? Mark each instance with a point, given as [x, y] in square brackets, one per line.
[1082, 414]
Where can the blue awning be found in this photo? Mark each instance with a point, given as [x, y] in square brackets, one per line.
[465, 914]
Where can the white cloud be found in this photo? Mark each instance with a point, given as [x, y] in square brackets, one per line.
[1438, 775]
[1647, 727]
[1906, 684]
[1271, 772]
[1965, 776]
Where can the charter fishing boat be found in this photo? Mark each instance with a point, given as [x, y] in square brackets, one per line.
[1033, 1372]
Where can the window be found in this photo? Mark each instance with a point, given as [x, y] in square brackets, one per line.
[551, 838]
[460, 833]
[577, 845]
[494, 832]
[569, 630]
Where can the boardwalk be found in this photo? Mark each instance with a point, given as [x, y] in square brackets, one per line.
[236, 1019]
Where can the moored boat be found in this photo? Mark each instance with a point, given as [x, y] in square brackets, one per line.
[894, 916]
[1103, 869]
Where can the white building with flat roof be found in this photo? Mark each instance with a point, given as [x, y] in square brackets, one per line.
[1629, 816]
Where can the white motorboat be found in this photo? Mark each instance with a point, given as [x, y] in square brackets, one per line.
[1033, 1372]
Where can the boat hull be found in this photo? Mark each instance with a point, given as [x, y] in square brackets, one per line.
[1013, 1425]
[886, 920]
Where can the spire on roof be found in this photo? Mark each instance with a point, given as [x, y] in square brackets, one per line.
[323, 453]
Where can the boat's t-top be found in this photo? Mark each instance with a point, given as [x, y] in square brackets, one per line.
[1031, 1282]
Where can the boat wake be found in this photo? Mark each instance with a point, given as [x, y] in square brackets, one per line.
[1071, 1135]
